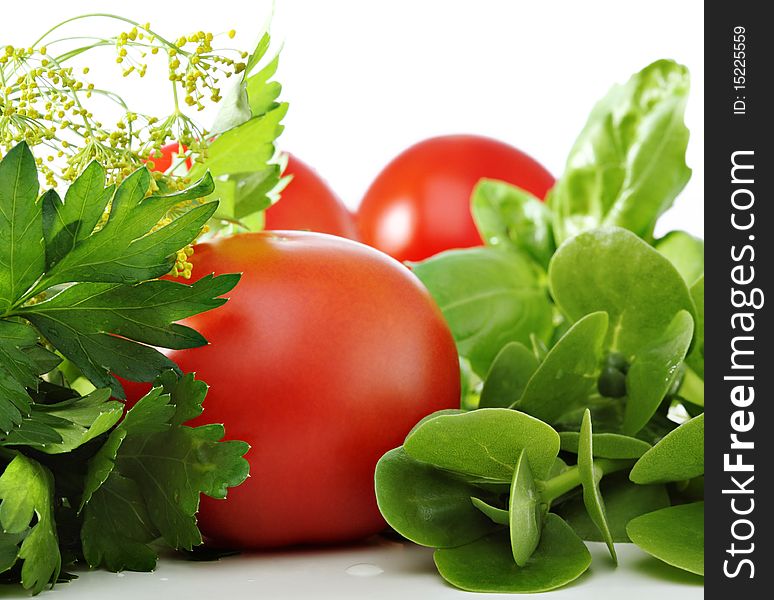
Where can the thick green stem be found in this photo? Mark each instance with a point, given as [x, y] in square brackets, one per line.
[559, 485]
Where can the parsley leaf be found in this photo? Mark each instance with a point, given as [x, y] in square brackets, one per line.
[27, 508]
[104, 244]
[145, 481]
[242, 157]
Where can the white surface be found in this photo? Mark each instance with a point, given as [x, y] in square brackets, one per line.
[367, 79]
[378, 570]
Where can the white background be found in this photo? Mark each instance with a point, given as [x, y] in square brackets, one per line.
[367, 79]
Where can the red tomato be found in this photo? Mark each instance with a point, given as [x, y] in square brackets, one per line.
[326, 355]
[419, 204]
[308, 203]
[163, 162]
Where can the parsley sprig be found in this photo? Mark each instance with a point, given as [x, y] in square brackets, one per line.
[79, 294]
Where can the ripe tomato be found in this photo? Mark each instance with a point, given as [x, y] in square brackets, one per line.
[168, 152]
[308, 203]
[419, 204]
[326, 355]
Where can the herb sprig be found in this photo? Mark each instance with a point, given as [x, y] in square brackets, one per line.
[582, 339]
[79, 299]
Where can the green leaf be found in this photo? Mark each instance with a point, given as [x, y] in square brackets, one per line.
[429, 506]
[187, 394]
[500, 516]
[685, 252]
[242, 158]
[256, 55]
[262, 93]
[167, 466]
[695, 359]
[9, 549]
[674, 535]
[525, 512]
[22, 252]
[85, 320]
[623, 501]
[18, 371]
[489, 298]
[98, 355]
[117, 529]
[613, 270]
[33, 433]
[80, 419]
[512, 218]
[628, 164]
[484, 443]
[253, 192]
[27, 495]
[508, 376]
[654, 370]
[606, 445]
[590, 477]
[144, 312]
[125, 250]
[567, 375]
[677, 457]
[244, 149]
[66, 224]
[487, 565]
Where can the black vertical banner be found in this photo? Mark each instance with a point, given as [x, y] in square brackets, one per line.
[739, 52]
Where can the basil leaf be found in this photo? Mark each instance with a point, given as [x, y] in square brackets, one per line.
[512, 218]
[525, 513]
[508, 376]
[628, 164]
[623, 501]
[613, 270]
[674, 535]
[487, 565]
[489, 298]
[567, 375]
[654, 370]
[590, 477]
[695, 359]
[677, 457]
[685, 252]
[606, 445]
[484, 443]
[426, 505]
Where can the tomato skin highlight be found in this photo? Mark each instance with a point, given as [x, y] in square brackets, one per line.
[325, 356]
[308, 203]
[419, 204]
